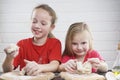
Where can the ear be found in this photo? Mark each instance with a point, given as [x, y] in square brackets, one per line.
[52, 27]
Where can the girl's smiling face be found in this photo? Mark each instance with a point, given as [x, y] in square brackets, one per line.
[41, 23]
[80, 43]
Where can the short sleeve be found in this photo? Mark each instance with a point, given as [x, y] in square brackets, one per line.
[55, 51]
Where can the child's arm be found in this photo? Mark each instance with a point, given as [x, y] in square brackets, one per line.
[33, 68]
[11, 52]
[69, 66]
[7, 64]
[61, 67]
[52, 66]
[98, 64]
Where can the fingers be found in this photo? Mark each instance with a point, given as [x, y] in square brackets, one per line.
[12, 50]
[95, 65]
[70, 66]
[26, 61]
[5, 50]
[14, 54]
[94, 60]
[69, 69]
[31, 68]
[34, 71]
[31, 71]
[37, 72]
[29, 65]
[22, 72]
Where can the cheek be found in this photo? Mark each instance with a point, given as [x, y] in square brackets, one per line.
[32, 26]
[86, 47]
[74, 47]
[45, 30]
[32, 29]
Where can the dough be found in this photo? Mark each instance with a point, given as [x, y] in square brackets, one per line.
[85, 68]
[16, 75]
[12, 47]
[92, 76]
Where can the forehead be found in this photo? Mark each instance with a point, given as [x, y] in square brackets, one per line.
[41, 13]
[81, 36]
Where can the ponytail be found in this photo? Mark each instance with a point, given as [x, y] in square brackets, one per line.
[50, 35]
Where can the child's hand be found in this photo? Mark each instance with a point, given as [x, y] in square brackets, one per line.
[70, 66]
[32, 68]
[95, 62]
[12, 50]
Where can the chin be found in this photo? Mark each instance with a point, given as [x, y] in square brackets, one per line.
[80, 54]
[37, 37]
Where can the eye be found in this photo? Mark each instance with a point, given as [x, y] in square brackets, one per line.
[83, 42]
[43, 23]
[34, 21]
[73, 43]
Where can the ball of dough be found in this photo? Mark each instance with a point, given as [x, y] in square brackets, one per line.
[12, 47]
[85, 68]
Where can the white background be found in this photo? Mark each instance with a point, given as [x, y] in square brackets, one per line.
[102, 16]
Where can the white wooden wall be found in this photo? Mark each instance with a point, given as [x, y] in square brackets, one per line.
[103, 17]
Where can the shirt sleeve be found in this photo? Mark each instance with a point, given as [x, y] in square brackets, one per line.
[93, 54]
[55, 52]
[17, 59]
[65, 59]
[97, 55]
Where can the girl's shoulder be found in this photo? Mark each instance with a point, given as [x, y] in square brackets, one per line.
[93, 52]
[25, 41]
[66, 58]
[53, 40]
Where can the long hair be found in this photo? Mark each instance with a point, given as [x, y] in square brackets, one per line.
[51, 13]
[73, 29]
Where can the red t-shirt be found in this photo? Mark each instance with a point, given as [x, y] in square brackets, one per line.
[90, 54]
[44, 54]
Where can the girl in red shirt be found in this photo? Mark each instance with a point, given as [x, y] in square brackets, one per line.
[40, 53]
[78, 47]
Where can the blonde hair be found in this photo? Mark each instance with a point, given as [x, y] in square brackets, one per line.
[73, 29]
[51, 13]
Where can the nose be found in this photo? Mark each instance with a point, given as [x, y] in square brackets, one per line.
[79, 47]
[37, 25]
